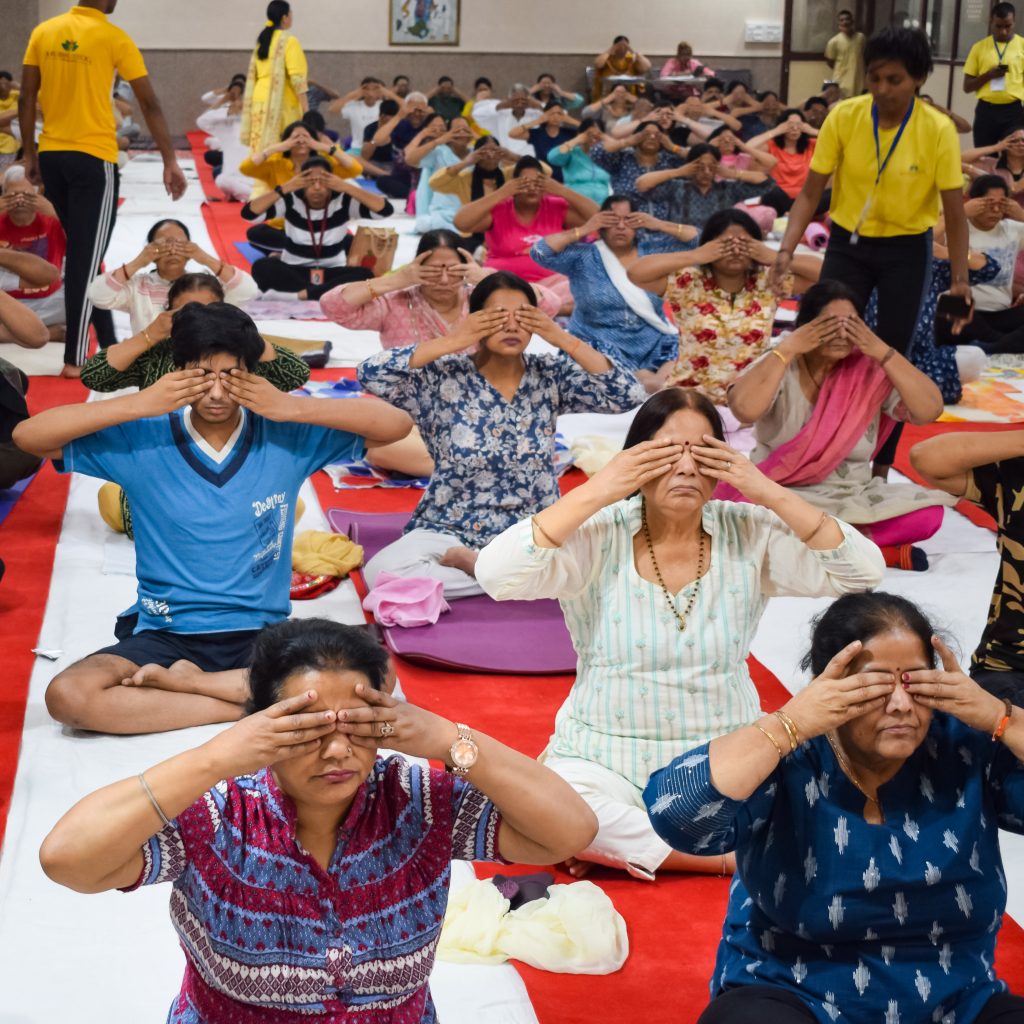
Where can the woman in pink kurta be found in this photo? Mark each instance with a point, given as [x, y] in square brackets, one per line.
[530, 205]
[426, 299]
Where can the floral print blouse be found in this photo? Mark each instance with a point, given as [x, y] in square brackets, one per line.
[493, 458]
[720, 334]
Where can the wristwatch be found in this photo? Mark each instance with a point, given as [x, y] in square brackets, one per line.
[279, 191]
[464, 751]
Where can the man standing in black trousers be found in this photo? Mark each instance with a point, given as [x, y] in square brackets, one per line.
[995, 71]
[69, 68]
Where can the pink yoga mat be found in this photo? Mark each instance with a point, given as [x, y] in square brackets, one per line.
[479, 634]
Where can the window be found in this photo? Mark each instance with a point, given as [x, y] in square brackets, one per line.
[973, 25]
[814, 23]
[939, 20]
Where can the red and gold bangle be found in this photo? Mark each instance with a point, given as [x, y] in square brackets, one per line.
[1004, 721]
[575, 348]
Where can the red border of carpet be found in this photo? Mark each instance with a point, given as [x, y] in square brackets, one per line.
[28, 542]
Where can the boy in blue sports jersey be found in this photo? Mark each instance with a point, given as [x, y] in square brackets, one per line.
[210, 441]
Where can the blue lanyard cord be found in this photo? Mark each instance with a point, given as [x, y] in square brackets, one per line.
[999, 53]
[880, 163]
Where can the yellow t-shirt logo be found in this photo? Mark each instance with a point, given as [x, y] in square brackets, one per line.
[70, 45]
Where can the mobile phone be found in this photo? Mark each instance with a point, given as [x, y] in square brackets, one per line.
[1002, 68]
[952, 307]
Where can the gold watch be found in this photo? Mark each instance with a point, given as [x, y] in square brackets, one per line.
[464, 751]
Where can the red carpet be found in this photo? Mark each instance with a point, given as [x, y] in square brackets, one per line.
[28, 540]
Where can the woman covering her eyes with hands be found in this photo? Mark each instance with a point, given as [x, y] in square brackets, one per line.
[488, 420]
[285, 834]
[864, 816]
[663, 589]
[823, 402]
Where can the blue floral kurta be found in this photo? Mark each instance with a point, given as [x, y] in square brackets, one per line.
[893, 923]
[493, 459]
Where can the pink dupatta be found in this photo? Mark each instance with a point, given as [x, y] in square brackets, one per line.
[847, 403]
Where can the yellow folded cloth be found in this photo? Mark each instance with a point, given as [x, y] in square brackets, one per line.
[592, 452]
[325, 554]
[576, 930]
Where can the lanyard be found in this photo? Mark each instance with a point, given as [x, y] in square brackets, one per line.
[318, 247]
[999, 53]
[879, 163]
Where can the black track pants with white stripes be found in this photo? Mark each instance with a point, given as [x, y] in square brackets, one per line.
[83, 190]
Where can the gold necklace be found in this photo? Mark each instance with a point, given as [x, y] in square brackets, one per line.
[681, 619]
[845, 765]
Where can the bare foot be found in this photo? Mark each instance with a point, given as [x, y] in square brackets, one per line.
[179, 678]
[461, 558]
[578, 868]
[72, 372]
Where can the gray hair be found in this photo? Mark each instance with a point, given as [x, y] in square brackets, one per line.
[14, 173]
[518, 88]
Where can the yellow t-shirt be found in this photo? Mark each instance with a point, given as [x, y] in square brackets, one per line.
[77, 54]
[8, 143]
[847, 52]
[984, 56]
[925, 163]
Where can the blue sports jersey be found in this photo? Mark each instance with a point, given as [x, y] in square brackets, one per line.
[213, 539]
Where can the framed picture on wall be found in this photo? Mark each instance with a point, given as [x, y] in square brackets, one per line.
[423, 22]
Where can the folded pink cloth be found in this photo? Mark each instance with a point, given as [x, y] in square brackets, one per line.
[406, 600]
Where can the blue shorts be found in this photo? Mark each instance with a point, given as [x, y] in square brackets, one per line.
[212, 652]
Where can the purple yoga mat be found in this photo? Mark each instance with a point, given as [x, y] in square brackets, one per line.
[479, 634]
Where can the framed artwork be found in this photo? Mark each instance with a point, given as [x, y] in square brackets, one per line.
[423, 22]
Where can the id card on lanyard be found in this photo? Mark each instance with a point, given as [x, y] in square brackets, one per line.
[316, 274]
[998, 84]
[880, 164]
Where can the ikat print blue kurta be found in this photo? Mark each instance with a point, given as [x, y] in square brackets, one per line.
[893, 923]
[493, 458]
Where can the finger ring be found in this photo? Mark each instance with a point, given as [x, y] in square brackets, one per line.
[386, 729]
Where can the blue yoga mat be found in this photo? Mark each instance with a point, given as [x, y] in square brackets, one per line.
[9, 498]
[250, 252]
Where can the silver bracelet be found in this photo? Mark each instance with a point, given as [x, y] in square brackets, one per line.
[152, 799]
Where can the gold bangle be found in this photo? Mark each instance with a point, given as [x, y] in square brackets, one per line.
[575, 348]
[369, 288]
[576, 234]
[776, 352]
[544, 533]
[814, 532]
[790, 727]
[149, 340]
[772, 740]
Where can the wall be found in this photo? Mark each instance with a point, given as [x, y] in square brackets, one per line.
[488, 26]
[189, 50]
[18, 17]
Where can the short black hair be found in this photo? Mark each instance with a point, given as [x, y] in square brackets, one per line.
[732, 85]
[703, 149]
[441, 238]
[314, 121]
[151, 234]
[301, 645]
[195, 283]
[555, 101]
[587, 123]
[317, 162]
[398, 78]
[906, 46]
[721, 220]
[620, 39]
[483, 81]
[371, 80]
[714, 83]
[614, 198]
[496, 282]
[651, 416]
[199, 331]
[389, 106]
[527, 163]
[7, 75]
[849, 14]
[764, 94]
[984, 184]
[815, 101]
[861, 617]
[720, 130]
[1003, 10]
[819, 295]
[445, 78]
[546, 74]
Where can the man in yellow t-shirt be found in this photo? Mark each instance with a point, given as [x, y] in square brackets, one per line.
[844, 54]
[8, 113]
[69, 70]
[995, 71]
[894, 162]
